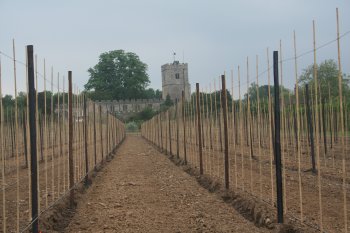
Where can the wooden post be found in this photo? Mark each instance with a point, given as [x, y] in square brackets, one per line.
[95, 146]
[161, 132]
[310, 129]
[86, 143]
[324, 127]
[177, 129]
[52, 133]
[2, 151]
[224, 111]
[171, 153]
[70, 139]
[184, 126]
[166, 131]
[277, 141]
[107, 128]
[199, 130]
[297, 127]
[158, 131]
[32, 131]
[241, 126]
[25, 139]
[101, 132]
[271, 150]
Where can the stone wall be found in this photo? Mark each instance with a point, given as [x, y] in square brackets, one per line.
[126, 108]
[123, 108]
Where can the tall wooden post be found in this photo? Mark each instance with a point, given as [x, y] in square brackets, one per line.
[32, 131]
[70, 139]
[324, 126]
[278, 140]
[101, 131]
[184, 126]
[107, 130]
[95, 147]
[224, 111]
[161, 132]
[177, 129]
[170, 151]
[310, 129]
[199, 130]
[86, 143]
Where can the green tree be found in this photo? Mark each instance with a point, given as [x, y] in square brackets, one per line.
[41, 101]
[166, 104]
[150, 93]
[158, 94]
[138, 118]
[214, 98]
[327, 76]
[118, 75]
[22, 100]
[146, 114]
[264, 92]
[8, 101]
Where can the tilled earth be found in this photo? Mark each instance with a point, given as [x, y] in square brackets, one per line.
[141, 190]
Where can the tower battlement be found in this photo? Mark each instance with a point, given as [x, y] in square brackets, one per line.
[175, 80]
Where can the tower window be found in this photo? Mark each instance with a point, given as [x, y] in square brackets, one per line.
[177, 76]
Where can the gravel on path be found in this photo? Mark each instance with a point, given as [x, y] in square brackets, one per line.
[141, 190]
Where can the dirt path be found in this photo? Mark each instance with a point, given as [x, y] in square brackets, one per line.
[142, 191]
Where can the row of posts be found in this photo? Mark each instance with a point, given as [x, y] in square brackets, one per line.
[277, 138]
[33, 137]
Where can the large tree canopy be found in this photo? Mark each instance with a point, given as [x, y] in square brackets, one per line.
[327, 76]
[118, 75]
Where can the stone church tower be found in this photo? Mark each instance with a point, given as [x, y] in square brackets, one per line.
[175, 80]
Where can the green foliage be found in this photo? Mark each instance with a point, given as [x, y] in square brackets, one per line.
[264, 95]
[264, 92]
[166, 104]
[150, 93]
[327, 76]
[132, 126]
[144, 115]
[8, 102]
[118, 75]
[158, 94]
[22, 100]
[212, 98]
[138, 118]
[41, 101]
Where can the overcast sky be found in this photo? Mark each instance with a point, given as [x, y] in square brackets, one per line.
[214, 36]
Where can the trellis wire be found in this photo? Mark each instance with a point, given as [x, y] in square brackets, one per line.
[306, 195]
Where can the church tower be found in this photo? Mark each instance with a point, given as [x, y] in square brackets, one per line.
[175, 80]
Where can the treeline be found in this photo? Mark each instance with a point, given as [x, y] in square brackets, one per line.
[8, 102]
[328, 91]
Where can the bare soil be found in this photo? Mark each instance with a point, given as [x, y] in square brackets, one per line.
[141, 190]
[251, 177]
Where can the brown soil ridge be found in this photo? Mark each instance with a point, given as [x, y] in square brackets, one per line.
[249, 206]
